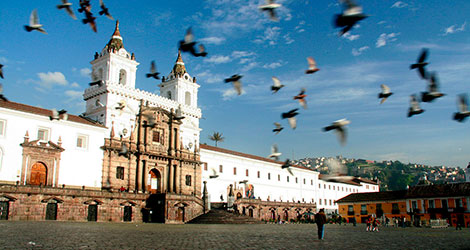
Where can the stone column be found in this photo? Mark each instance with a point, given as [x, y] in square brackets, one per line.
[230, 199]
[139, 175]
[205, 198]
[170, 177]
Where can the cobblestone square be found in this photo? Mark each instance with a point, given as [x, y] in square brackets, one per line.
[84, 235]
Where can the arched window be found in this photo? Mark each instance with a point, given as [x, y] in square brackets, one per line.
[187, 98]
[168, 94]
[122, 77]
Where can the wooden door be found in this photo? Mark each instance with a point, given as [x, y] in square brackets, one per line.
[92, 212]
[4, 206]
[180, 214]
[51, 211]
[38, 174]
[128, 213]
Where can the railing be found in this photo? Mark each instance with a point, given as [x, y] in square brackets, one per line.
[438, 223]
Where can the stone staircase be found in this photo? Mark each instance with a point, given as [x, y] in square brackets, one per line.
[221, 216]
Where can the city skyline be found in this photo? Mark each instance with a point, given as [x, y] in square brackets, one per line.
[242, 40]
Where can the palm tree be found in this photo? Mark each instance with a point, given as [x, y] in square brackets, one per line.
[217, 137]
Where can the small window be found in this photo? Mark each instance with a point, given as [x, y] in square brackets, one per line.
[2, 127]
[43, 134]
[431, 203]
[329, 187]
[296, 180]
[311, 182]
[304, 181]
[319, 201]
[269, 176]
[324, 186]
[325, 202]
[333, 187]
[205, 166]
[330, 202]
[279, 177]
[120, 173]
[247, 172]
[156, 136]
[187, 98]
[168, 94]
[122, 77]
[287, 178]
[319, 186]
[82, 141]
[259, 174]
[235, 171]
[221, 168]
[188, 180]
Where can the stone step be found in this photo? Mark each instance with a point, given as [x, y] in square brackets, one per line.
[219, 216]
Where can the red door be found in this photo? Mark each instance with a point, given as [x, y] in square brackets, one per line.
[38, 174]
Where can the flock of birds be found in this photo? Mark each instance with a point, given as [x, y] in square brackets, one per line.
[352, 13]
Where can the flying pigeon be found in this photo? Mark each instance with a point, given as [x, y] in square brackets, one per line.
[68, 8]
[151, 122]
[312, 66]
[55, 115]
[433, 89]
[105, 11]
[352, 13]
[187, 45]
[270, 7]
[243, 182]
[96, 81]
[2, 97]
[420, 63]
[237, 84]
[340, 128]
[462, 105]
[274, 153]
[414, 106]
[278, 128]
[276, 85]
[153, 71]
[202, 51]
[90, 19]
[178, 116]
[84, 4]
[1, 71]
[385, 93]
[301, 98]
[291, 117]
[124, 150]
[214, 174]
[121, 105]
[287, 166]
[34, 23]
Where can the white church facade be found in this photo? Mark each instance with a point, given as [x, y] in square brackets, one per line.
[131, 156]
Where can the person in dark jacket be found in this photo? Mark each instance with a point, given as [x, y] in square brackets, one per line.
[320, 219]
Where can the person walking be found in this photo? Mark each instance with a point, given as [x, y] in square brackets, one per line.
[320, 219]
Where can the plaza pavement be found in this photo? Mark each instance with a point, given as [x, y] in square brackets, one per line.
[92, 235]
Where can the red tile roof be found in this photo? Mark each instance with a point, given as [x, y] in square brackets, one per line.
[374, 196]
[255, 157]
[45, 112]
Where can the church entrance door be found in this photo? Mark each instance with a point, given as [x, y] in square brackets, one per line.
[92, 212]
[154, 181]
[4, 206]
[51, 210]
[38, 174]
[128, 213]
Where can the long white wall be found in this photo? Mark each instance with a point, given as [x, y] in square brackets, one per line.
[78, 166]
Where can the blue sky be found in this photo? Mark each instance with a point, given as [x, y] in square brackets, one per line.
[51, 71]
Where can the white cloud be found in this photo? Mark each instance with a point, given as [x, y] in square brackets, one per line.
[239, 54]
[273, 65]
[249, 66]
[350, 37]
[75, 85]
[217, 59]
[161, 17]
[384, 38]
[288, 39]
[3, 59]
[453, 29]
[399, 5]
[47, 80]
[357, 52]
[74, 94]
[86, 72]
[271, 35]
[230, 94]
[212, 40]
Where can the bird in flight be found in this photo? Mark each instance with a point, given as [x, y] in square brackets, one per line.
[124, 150]
[291, 117]
[1, 71]
[287, 166]
[312, 66]
[214, 174]
[276, 85]
[188, 43]
[339, 127]
[270, 7]
[301, 98]
[243, 182]
[414, 109]
[68, 8]
[278, 128]
[237, 84]
[462, 105]
[95, 79]
[420, 63]
[275, 153]
[56, 114]
[34, 23]
[385, 93]
[179, 115]
[433, 89]
[352, 13]
[153, 71]
[89, 18]
[84, 4]
[105, 11]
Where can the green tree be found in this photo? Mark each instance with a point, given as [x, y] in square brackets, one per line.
[217, 137]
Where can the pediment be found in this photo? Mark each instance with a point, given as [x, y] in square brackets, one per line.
[49, 145]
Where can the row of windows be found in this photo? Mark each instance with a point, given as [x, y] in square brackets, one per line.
[325, 202]
[120, 175]
[347, 189]
[44, 135]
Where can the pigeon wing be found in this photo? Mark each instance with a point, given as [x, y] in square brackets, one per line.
[311, 63]
[153, 68]
[434, 83]
[422, 57]
[292, 122]
[278, 125]
[341, 132]
[238, 87]
[276, 81]
[189, 37]
[462, 103]
[33, 19]
[385, 89]
[414, 102]
[290, 171]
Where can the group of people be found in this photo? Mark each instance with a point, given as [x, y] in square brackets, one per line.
[372, 224]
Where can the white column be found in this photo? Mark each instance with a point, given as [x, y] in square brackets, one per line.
[407, 205]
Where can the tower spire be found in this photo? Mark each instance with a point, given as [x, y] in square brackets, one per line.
[179, 68]
[115, 43]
